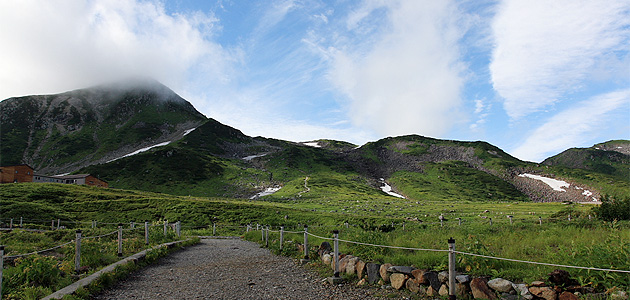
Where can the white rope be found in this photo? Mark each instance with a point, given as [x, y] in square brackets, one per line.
[294, 231]
[539, 263]
[100, 236]
[382, 246]
[36, 252]
[320, 237]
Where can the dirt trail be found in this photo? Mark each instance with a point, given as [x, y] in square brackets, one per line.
[229, 269]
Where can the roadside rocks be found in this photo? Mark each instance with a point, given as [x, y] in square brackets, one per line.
[560, 285]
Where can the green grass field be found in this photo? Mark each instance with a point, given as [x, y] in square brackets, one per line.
[373, 217]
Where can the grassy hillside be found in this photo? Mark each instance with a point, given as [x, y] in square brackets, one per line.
[602, 158]
[60, 133]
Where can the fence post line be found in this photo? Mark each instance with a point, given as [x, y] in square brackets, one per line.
[1, 267]
[451, 269]
[336, 254]
[77, 252]
[267, 236]
[281, 236]
[120, 240]
[214, 229]
[146, 232]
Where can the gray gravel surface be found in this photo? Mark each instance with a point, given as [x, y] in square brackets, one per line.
[230, 269]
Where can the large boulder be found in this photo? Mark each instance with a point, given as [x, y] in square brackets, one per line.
[383, 272]
[398, 280]
[344, 262]
[522, 290]
[443, 276]
[351, 267]
[480, 290]
[500, 285]
[417, 274]
[561, 278]
[567, 296]
[544, 292]
[401, 269]
[326, 259]
[360, 266]
[373, 272]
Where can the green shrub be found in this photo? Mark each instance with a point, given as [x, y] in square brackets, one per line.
[613, 209]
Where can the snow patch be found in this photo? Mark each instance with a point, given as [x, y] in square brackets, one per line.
[141, 150]
[248, 158]
[312, 144]
[189, 131]
[388, 190]
[266, 192]
[556, 185]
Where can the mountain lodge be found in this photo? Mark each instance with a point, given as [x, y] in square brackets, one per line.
[25, 173]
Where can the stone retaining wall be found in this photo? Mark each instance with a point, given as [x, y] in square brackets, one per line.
[559, 286]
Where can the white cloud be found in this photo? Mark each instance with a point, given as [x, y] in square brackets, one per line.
[55, 46]
[574, 126]
[545, 49]
[407, 77]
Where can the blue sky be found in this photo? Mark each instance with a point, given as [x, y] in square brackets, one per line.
[533, 77]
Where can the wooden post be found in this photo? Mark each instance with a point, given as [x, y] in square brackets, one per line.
[540, 220]
[403, 225]
[336, 254]
[335, 279]
[146, 232]
[281, 236]
[510, 217]
[214, 229]
[179, 229]
[58, 223]
[459, 220]
[451, 269]
[490, 221]
[305, 259]
[1, 267]
[262, 233]
[267, 236]
[77, 252]
[52, 226]
[120, 254]
[165, 224]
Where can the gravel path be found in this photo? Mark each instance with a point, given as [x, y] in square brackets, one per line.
[229, 269]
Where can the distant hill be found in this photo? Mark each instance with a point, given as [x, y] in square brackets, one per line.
[612, 158]
[64, 132]
[142, 136]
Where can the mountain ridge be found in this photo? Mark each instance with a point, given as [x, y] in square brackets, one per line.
[195, 155]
